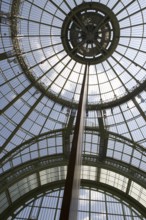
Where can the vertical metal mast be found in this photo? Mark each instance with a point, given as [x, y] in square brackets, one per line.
[71, 192]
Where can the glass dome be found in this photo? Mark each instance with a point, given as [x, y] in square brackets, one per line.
[44, 49]
[115, 51]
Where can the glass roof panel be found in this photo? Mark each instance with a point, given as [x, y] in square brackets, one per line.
[116, 180]
[4, 202]
[34, 29]
[96, 204]
[41, 84]
[23, 186]
[138, 193]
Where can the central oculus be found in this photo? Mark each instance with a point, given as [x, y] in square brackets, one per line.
[90, 33]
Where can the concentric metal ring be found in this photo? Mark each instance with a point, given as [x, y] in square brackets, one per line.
[90, 33]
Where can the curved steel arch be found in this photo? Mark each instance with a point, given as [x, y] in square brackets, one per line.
[19, 172]
[36, 166]
[42, 189]
[125, 169]
[53, 133]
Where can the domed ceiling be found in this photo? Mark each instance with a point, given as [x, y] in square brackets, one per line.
[44, 49]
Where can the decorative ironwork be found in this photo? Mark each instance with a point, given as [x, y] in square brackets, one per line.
[90, 33]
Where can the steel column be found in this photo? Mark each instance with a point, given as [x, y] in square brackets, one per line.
[103, 135]
[72, 185]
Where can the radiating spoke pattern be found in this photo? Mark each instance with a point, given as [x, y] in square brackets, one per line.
[52, 33]
[97, 36]
[44, 48]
